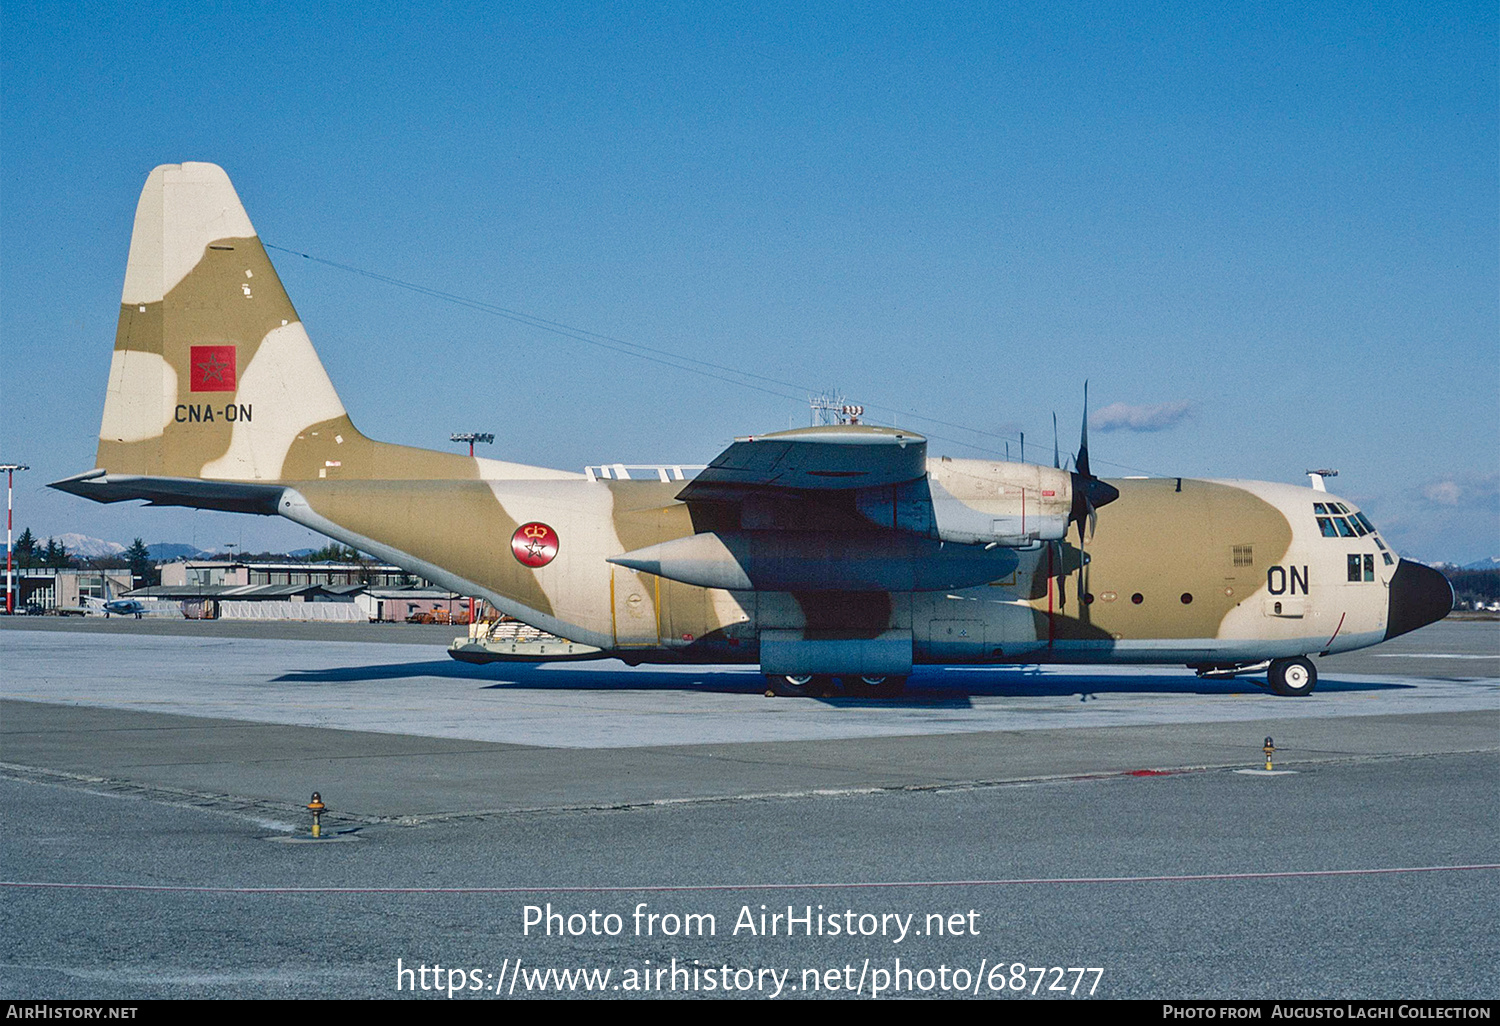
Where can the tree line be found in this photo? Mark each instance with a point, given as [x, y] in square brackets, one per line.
[1474, 587]
[29, 553]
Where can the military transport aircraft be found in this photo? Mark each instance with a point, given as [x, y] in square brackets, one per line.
[835, 551]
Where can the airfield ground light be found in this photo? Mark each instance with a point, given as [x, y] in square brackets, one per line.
[1270, 750]
[317, 808]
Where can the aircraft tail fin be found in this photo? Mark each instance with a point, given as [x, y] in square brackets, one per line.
[213, 374]
[216, 397]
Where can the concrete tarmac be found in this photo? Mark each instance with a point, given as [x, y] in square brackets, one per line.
[154, 770]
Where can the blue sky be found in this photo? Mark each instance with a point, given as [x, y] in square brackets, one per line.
[1268, 234]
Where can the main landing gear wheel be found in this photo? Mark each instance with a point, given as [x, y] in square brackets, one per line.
[1292, 677]
[799, 684]
[879, 687]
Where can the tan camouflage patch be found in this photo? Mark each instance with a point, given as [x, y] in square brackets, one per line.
[1162, 544]
[455, 524]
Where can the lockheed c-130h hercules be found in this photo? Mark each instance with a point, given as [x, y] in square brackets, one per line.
[836, 551]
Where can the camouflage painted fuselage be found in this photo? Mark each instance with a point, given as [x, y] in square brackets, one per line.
[217, 400]
[1190, 572]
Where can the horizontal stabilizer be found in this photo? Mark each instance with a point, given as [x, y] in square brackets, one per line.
[229, 496]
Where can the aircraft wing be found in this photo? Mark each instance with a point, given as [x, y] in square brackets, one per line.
[829, 458]
[856, 508]
[797, 511]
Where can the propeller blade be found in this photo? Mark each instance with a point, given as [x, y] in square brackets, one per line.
[1082, 504]
[1082, 459]
[1056, 460]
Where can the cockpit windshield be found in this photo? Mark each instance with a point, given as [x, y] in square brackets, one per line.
[1336, 520]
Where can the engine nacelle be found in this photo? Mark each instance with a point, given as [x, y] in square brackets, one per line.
[976, 502]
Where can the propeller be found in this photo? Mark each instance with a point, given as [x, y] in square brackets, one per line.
[1089, 493]
[1054, 549]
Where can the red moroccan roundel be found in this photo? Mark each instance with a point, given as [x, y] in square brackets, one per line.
[534, 544]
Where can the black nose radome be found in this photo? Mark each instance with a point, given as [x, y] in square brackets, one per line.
[1419, 596]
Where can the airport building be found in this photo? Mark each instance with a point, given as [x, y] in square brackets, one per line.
[249, 590]
[329, 575]
[46, 589]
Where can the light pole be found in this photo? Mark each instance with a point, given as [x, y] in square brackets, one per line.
[10, 482]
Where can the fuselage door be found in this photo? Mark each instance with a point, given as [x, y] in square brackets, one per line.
[633, 598]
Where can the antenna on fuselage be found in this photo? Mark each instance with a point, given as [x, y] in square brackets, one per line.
[1317, 476]
[833, 408]
[471, 437]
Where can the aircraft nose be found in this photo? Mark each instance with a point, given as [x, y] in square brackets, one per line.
[1419, 596]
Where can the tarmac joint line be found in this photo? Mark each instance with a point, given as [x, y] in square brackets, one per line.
[257, 809]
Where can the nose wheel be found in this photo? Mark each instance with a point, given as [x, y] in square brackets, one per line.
[1292, 678]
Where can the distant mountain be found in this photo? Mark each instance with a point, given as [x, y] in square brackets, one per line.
[166, 551]
[1492, 563]
[83, 545]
